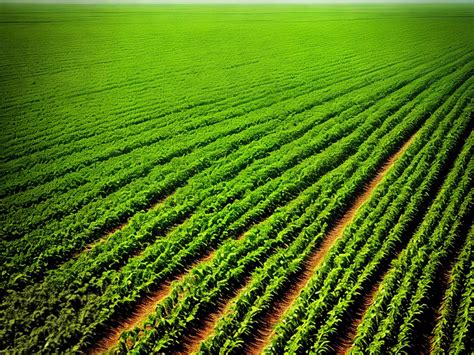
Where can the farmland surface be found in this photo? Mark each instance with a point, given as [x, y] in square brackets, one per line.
[278, 179]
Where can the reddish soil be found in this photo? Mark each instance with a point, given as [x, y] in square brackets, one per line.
[191, 344]
[144, 308]
[318, 256]
[346, 344]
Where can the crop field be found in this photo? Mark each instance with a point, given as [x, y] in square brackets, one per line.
[236, 179]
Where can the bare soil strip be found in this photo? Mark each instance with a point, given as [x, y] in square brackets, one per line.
[368, 299]
[281, 307]
[444, 283]
[101, 240]
[425, 330]
[144, 308]
[192, 343]
[439, 295]
[148, 305]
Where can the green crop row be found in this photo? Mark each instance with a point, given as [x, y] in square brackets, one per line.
[131, 123]
[244, 82]
[199, 66]
[135, 268]
[404, 297]
[245, 262]
[86, 178]
[333, 291]
[265, 287]
[204, 153]
[56, 228]
[451, 334]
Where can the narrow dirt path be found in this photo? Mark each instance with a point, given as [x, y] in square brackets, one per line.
[426, 328]
[446, 280]
[346, 344]
[148, 305]
[280, 308]
[101, 240]
[192, 343]
[144, 308]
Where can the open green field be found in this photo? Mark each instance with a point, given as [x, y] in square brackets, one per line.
[236, 179]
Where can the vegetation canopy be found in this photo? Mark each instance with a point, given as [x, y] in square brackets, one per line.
[236, 179]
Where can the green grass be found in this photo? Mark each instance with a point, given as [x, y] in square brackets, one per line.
[135, 140]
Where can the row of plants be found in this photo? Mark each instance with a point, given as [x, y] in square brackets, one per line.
[126, 241]
[39, 242]
[406, 293]
[100, 216]
[266, 286]
[159, 105]
[315, 319]
[127, 128]
[157, 255]
[225, 272]
[216, 95]
[451, 333]
[151, 78]
[307, 96]
[148, 79]
[92, 176]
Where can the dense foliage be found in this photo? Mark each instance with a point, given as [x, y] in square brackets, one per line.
[216, 148]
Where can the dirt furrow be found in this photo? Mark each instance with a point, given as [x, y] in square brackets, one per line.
[346, 344]
[143, 309]
[193, 341]
[269, 321]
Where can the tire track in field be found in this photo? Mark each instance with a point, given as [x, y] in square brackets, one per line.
[262, 336]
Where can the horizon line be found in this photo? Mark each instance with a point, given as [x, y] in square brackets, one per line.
[237, 2]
